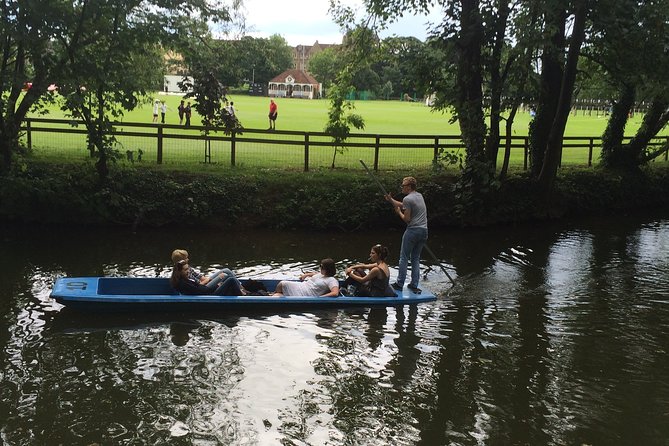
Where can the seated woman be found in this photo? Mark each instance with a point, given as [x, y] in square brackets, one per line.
[375, 283]
[180, 280]
[212, 281]
[321, 284]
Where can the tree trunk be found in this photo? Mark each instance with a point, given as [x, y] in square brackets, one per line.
[469, 106]
[496, 84]
[554, 146]
[550, 84]
[612, 139]
[654, 120]
[507, 141]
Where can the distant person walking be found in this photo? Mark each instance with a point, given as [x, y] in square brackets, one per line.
[413, 212]
[163, 111]
[187, 114]
[156, 106]
[273, 113]
[182, 111]
[231, 109]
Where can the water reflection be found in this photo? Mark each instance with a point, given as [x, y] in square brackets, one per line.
[554, 335]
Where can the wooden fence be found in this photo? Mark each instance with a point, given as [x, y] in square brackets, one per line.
[159, 140]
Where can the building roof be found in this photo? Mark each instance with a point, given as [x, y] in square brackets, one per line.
[295, 77]
[316, 47]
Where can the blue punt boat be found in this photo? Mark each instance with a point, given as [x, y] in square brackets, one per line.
[156, 294]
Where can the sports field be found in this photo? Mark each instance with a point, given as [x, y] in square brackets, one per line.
[183, 147]
[381, 117]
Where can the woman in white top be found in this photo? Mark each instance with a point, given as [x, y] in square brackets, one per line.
[321, 284]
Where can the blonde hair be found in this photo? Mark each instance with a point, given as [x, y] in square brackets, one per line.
[411, 181]
[179, 254]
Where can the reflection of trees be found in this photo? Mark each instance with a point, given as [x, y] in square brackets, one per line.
[130, 385]
[610, 369]
[532, 353]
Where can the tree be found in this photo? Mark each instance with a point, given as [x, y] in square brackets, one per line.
[108, 47]
[340, 114]
[387, 90]
[556, 131]
[209, 75]
[633, 72]
[32, 54]
[260, 59]
[325, 65]
[398, 57]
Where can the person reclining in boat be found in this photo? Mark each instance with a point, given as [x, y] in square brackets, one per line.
[374, 283]
[227, 286]
[314, 283]
[211, 281]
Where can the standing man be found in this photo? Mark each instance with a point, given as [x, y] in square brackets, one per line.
[272, 114]
[231, 109]
[413, 212]
[163, 110]
[182, 111]
[187, 113]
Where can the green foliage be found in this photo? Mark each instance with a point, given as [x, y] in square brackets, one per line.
[110, 49]
[325, 65]
[322, 200]
[340, 118]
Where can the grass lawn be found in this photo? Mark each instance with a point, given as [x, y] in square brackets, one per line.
[381, 117]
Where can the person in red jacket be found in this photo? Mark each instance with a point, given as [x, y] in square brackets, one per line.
[272, 114]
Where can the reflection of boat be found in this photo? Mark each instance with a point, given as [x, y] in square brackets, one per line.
[156, 294]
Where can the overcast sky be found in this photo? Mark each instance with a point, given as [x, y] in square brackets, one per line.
[302, 22]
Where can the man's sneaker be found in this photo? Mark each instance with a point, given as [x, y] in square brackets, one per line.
[396, 286]
[415, 289]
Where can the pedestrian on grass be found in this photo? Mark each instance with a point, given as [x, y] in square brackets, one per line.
[273, 113]
[182, 111]
[163, 111]
[187, 113]
[156, 106]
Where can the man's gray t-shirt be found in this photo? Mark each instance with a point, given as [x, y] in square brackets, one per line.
[416, 204]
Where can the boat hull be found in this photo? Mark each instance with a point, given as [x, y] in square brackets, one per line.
[155, 294]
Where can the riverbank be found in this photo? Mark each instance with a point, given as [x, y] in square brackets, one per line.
[321, 200]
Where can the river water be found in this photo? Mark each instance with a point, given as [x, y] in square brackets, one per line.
[554, 334]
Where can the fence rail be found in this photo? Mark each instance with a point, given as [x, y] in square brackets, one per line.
[163, 143]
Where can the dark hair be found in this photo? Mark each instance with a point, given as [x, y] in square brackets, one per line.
[176, 272]
[381, 251]
[328, 265]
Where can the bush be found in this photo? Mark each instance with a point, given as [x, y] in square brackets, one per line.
[321, 200]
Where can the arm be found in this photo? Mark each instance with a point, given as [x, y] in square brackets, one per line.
[392, 201]
[307, 275]
[350, 269]
[374, 272]
[334, 291]
[402, 212]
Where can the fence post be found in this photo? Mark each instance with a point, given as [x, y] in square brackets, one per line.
[376, 153]
[306, 152]
[592, 143]
[526, 149]
[436, 151]
[29, 135]
[233, 144]
[666, 153]
[160, 145]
